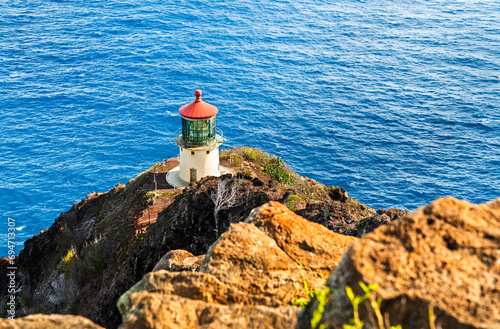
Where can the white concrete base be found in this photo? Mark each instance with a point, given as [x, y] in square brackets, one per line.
[199, 161]
[177, 182]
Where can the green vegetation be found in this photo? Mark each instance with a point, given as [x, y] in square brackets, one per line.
[156, 165]
[73, 267]
[237, 154]
[322, 297]
[378, 321]
[67, 260]
[103, 224]
[375, 303]
[272, 165]
[275, 167]
[96, 256]
[295, 202]
[157, 194]
[302, 302]
[432, 317]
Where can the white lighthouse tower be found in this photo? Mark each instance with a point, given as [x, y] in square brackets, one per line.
[199, 144]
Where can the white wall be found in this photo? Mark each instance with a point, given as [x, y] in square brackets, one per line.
[205, 164]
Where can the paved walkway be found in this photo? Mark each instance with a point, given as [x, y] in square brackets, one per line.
[174, 180]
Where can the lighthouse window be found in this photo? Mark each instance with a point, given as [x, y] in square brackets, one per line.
[200, 132]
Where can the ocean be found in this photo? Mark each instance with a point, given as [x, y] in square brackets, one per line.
[395, 101]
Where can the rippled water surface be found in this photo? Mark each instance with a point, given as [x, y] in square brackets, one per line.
[398, 102]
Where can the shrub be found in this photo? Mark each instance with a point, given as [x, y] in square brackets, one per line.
[76, 271]
[96, 254]
[294, 202]
[237, 154]
[67, 260]
[375, 303]
[322, 297]
[275, 167]
[236, 160]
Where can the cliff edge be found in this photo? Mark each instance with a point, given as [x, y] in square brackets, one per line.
[106, 243]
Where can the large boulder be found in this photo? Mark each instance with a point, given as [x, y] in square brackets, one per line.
[196, 286]
[274, 252]
[52, 321]
[159, 311]
[445, 255]
[249, 279]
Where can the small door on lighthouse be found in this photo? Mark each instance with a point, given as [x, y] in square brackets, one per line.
[193, 174]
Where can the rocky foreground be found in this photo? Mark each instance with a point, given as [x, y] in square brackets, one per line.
[302, 245]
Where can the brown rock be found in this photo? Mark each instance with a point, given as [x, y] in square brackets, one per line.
[56, 321]
[446, 255]
[179, 260]
[198, 286]
[273, 252]
[159, 311]
[250, 277]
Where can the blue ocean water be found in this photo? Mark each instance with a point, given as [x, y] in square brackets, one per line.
[397, 102]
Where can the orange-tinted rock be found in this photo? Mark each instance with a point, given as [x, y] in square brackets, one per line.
[179, 260]
[55, 321]
[273, 252]
[249, 279]
[197, 286]
[160, 311]
[446, 254]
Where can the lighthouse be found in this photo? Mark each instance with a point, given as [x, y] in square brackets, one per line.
[198, 143]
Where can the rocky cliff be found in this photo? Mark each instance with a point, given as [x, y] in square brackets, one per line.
[106, 243]
[435, 268]
[250, 277]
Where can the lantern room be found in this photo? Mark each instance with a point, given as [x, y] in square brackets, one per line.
[198, 122]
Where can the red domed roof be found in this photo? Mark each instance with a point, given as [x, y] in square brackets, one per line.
[198, 109]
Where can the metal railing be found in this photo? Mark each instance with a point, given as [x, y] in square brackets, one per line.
[219, 139]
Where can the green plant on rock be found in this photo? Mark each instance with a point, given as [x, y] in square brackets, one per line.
[309, 294]
[294, 202]
[236, 160]
[96, 255]
[67, 260]
[432, 317]
[302, 302]
[156, 165]
[275, 167]
[322, 297]
[355, 321]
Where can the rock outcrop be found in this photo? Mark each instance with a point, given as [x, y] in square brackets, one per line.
[155, 310]
[445, 255]
[106, 243]
[274, 251]
[249, 278]
[179, 260]
[164, 299]
[52, 321]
